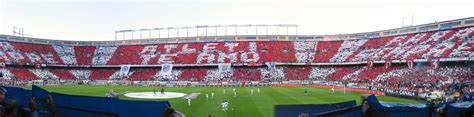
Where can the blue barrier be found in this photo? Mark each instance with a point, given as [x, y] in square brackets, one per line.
[311, 109]
[355, 111]
[459, 109]
[21, 95]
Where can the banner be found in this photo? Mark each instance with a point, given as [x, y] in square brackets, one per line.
[388, 63]
[410, 63]
[370, 63]
[166, 69]
[124, 69]
[434, 63]
[225, 67]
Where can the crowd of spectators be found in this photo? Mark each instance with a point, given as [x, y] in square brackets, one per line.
[103, 54]
[66, 53]
[320, 73]
[347, 49]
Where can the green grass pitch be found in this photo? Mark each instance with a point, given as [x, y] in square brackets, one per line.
[245, 105]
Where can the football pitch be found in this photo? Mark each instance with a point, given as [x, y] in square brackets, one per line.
[244, 105]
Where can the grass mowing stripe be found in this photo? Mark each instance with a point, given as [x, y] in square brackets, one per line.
[326, 95]
[245, 101]
[282, 98]
[265, 101]
[296, 96]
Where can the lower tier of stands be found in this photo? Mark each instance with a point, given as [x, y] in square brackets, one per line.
[398, 76]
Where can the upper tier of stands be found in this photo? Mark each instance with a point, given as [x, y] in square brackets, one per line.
[398, 76]
[457, 43]
[152, 39]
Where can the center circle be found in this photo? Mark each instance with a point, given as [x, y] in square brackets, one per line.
[157, 95]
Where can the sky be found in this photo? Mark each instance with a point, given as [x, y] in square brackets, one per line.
[93, 20]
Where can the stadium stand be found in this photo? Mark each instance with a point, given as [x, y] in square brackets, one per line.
[407, 65]
[453, 43]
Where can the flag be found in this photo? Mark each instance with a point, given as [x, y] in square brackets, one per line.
[166, 69]
[388, 63]
[410, 63]
[435, 63]
[370, 63]
[224, 67]
[124, 69]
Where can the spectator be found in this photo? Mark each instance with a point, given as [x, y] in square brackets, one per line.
[33, 108]
[366, 109]
[51, 106]
[169, 112]
[3, 91]
[12, 109]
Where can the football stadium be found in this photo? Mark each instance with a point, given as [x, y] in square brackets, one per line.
[242, 70]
